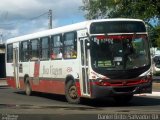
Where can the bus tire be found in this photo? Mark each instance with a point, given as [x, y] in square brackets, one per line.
[123, 99]
[71, 93]
[28, 89]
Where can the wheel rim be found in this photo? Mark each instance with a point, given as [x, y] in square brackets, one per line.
[73, 92]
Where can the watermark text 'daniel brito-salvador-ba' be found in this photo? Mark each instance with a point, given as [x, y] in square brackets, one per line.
[128, 116]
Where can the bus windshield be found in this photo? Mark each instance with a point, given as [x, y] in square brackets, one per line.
[119, 52]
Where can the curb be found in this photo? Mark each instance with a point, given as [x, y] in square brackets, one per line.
[147, 94]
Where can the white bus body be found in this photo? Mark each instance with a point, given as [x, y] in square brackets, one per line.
[30, 64]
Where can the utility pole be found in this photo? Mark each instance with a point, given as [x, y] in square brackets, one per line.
[50, 19]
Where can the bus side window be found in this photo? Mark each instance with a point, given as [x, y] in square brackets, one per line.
[24, 53]
[70, 45]
[56, 47]
[34, 49]
[9, 53]
[44, 48]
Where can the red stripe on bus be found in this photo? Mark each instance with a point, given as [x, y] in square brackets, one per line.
[36, 69]
[46, 86]
[11, 82]
[119, 37]
[49, 86]
[78, 88]
[122, 82]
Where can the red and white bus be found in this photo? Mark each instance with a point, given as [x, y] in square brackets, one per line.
[92, 59]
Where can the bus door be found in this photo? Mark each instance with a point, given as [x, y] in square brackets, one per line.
[16, 64]
[84, 79]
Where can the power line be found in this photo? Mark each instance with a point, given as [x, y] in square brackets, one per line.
[38, 16]
[30, 19]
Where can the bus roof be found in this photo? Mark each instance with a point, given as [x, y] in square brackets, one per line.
[67, 28]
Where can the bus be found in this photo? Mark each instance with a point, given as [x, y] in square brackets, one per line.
[91, 59]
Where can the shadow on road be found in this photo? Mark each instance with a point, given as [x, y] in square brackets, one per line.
[106, 102]
[3, 87]
[136, 101]
[45, 95]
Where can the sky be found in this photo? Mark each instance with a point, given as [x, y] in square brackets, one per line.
[20, 17]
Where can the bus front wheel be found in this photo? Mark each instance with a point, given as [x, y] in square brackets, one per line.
[71, 93]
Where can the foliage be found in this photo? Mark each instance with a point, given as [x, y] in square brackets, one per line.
[142, 9]
[158, 36]
[146, 10]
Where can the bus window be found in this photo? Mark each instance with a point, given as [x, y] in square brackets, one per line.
[44, 48]
[70, 45]
[34, 49]
[10, 53]
[24, 53]
[56, 47]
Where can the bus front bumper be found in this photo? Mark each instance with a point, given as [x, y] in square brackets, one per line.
[105, 91]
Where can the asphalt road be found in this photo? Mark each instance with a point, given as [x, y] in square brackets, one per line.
[14, 104]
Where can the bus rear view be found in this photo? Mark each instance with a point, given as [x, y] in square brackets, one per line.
[120, 59]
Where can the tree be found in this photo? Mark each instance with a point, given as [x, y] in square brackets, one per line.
[146, 10]
[157, 36]
[152, 35]
[142, 9]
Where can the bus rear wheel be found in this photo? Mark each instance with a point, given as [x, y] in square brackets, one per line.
[28, 89]
[71, 93]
